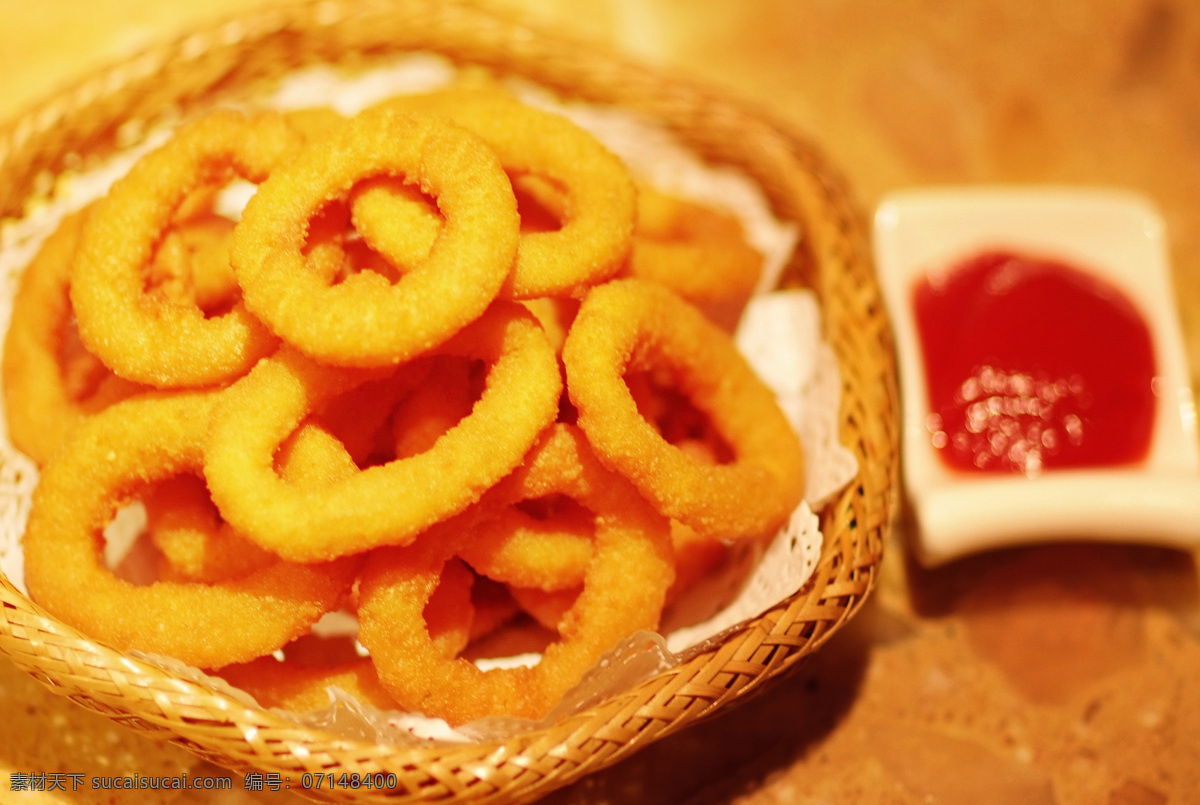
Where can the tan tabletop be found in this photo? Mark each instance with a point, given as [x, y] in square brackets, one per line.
[1058, 674]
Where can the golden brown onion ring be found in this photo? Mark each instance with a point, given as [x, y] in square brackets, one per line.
[186, 527]
[623, 591]
[397, 219]
[365, 320]
[598, 214]
[191, 265]
[50, 382]
[150, 340]
[196, 545]
[113, 457]
[444, 398]
[699, 253]
[300, 688]
[523, 550]
[361, 418]
[519, 399]
[630, 325]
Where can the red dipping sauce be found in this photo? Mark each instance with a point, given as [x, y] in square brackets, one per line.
[1033, 365]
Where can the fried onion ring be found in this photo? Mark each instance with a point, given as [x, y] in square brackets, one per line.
[699, 253]
[50, 383]
[396, 219]
[195, 544]
[600, 197]
[629, 325]
[519, 399]
[626, 581]
[547, 607]
[361, 418]
[300, 688]
[517, 548]
[303, 684]
[449, 613]
[444, 399]
[111, 458]
[152, 341]
[365, 320]
[191, 265]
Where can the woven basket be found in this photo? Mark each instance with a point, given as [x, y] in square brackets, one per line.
[110, 110]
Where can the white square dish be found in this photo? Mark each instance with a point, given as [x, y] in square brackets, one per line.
[1118, 236]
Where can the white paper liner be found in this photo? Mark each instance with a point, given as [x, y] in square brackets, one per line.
[805, 381]
[805, 377]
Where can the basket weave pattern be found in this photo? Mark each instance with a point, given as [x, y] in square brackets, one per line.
[109, 110]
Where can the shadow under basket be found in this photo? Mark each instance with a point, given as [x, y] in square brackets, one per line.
[113, 110]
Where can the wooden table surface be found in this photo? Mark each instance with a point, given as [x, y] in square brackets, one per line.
[1057, 674]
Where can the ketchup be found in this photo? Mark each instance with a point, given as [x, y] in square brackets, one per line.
[1032, 364]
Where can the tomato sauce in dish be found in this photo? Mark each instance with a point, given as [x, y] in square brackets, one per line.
[1032, 364]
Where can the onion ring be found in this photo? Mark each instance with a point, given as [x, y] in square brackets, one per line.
[629, 325]
[492, 607]
[695, 557]
[599, 211]
[449, 612]
[396, 219]
[110, 458]
[364, 320]
[195, 544]
[139, 338]
[301, 685]
[50, 385]
[300, 688]
[191, 265]
[186, 527]
[623, 592]
[361, 419]
[358, 513]
[556, 314]
[699, 252]
[516, 548]
[547, 607]
[324, 249]
[444, 399]
[696, 251]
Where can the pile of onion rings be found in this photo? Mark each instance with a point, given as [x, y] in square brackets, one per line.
[453, 369]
